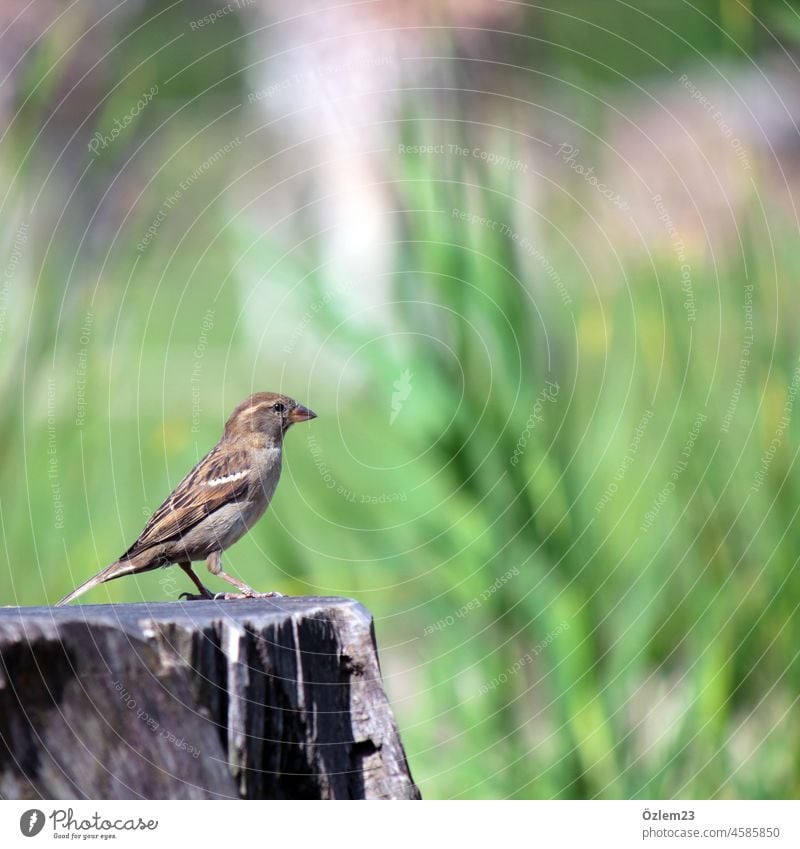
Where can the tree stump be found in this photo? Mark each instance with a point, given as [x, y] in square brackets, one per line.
[253, 699]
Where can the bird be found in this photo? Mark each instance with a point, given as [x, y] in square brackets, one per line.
[217, 502]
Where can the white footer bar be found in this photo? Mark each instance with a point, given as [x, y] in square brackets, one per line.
[484, 824]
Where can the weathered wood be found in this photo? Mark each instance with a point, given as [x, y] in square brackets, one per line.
[205, 699]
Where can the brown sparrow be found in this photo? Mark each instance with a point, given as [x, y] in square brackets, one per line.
[217, 502]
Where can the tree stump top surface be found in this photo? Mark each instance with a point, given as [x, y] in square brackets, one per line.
[138, 619]
[263, 611]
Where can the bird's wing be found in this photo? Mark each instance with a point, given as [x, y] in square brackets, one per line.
[218, 479]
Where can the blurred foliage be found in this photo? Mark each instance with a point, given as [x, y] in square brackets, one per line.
[658, 662]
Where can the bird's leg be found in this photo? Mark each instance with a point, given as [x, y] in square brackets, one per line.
[204, 591]
[214, 564]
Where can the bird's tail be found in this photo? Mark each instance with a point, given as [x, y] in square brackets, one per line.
[117, 569]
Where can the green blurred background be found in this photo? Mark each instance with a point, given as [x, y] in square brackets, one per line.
[554, 352]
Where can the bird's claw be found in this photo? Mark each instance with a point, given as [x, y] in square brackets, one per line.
[194, 597]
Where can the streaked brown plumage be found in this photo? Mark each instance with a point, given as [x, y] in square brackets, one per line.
[218, 501]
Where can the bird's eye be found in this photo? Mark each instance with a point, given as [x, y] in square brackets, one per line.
[279, 408]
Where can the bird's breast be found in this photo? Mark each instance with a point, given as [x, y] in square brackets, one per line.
[267, 462]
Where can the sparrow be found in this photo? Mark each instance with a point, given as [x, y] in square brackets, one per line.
[217, 502]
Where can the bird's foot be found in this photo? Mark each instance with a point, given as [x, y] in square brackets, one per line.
[247, 594]
[195, 597]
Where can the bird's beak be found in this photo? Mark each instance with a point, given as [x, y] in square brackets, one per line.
[301, 414]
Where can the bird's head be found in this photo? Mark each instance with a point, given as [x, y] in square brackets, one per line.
[266, 414]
